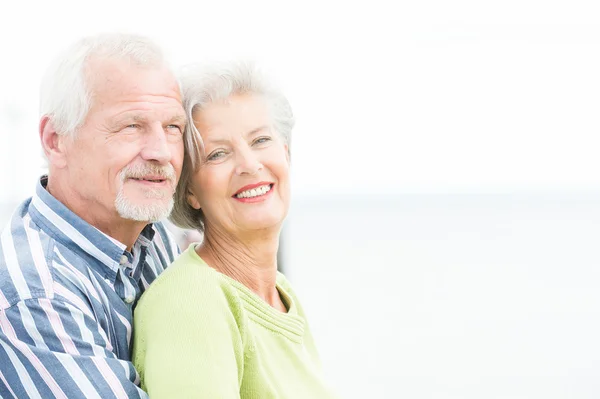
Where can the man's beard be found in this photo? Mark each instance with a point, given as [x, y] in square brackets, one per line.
[154, 210]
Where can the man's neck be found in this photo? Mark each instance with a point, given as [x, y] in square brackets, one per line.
[122, 230]
[107, 221]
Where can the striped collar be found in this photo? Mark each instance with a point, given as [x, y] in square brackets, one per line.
[102, 252]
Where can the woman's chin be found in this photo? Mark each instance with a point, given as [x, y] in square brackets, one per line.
[262, 224]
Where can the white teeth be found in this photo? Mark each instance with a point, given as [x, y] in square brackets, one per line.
[255, 192]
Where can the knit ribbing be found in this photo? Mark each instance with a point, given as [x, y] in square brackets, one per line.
[200, 333]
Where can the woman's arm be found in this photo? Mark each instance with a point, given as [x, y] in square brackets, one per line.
[187, 339]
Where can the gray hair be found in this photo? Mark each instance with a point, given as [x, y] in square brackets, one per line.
[65, 93]
[204, 85]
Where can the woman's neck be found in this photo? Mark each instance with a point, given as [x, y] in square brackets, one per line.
[250, 260]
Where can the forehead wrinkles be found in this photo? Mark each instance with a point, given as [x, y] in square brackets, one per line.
[101, 75]
[108, 79]
[229, 124]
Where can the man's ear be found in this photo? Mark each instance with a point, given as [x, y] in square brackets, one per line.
[53, 144]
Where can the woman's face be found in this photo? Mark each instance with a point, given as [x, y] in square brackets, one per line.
[242, 184]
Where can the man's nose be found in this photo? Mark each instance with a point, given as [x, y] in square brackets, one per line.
[156, 148]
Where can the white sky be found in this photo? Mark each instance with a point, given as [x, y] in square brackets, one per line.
[406, 96]
[410, 96]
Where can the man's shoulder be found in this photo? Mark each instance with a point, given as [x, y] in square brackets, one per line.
[26, 258]
[165, 242]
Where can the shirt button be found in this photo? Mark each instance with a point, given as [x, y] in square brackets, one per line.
[123, 259]
[129, 299]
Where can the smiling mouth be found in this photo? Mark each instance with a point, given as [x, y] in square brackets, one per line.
[149, 180]
[255, 192]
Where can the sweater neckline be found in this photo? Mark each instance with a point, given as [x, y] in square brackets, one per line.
[290, 324]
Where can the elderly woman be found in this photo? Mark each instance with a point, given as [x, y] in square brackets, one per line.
[221, 322]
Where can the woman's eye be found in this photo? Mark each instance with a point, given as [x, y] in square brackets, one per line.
[262, 140]
[216, 155]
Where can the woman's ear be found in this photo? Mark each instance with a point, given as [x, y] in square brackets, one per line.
[192, 200]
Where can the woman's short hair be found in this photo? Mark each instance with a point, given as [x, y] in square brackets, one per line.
[203, 85]
[65, 94]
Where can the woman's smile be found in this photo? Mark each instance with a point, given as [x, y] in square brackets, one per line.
[254, 192]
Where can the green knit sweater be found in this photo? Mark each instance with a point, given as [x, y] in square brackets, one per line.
[201, 334]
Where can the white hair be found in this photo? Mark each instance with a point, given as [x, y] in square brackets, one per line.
[65, 94]
[203, 85]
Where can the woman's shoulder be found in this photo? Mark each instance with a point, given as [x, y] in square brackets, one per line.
[285, 284]
[189, 278]
[290, 295]
[282, 280]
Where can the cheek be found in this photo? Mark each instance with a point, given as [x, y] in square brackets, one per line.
[177, 152]
[93, 163]
[114, 161]
[281, 168]
[212, 185]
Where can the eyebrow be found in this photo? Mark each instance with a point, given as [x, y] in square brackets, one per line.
[258, 129]
[142, 118]
[178, 119]
[250, 133]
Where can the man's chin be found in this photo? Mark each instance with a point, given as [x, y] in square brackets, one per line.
[143, 211]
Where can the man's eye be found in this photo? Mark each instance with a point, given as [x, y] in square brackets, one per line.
[175, 128]
[132, 126]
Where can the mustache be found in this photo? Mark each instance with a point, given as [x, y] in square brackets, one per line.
[138, 171]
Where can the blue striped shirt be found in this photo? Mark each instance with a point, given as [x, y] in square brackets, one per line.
[67, 292]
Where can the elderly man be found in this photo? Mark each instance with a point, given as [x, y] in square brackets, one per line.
[77, 255]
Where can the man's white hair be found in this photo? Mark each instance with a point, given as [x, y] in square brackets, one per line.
[66, 95]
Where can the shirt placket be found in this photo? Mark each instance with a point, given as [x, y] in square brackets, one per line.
[130, 273]
[129, 291]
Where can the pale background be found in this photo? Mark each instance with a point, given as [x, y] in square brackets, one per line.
[446, 217]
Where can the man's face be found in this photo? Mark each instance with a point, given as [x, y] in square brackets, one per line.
[126, 159]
